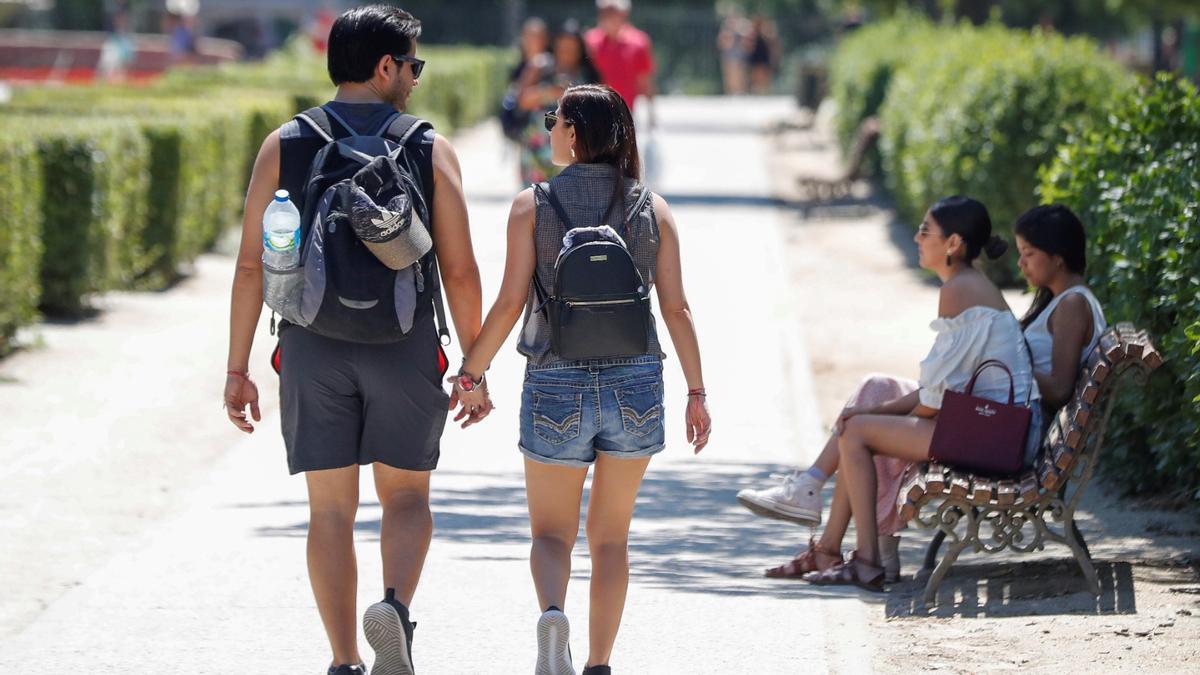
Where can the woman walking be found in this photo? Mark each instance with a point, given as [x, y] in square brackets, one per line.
[539, 87]
[576, 413]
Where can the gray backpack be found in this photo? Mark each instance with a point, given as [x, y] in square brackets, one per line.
[366, 259]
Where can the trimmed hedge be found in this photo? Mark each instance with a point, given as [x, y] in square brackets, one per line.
[94, 175]
[137, 195]
[21, 234]
[978, 110]
[863, 66]
[1134, 178]
[193, 152]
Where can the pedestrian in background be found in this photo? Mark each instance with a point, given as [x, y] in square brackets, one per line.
[569, 65]
[623, 54]
[578, 412]
[731, 45]
[763, 54]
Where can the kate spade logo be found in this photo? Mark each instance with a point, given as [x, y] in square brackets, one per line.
[985, 410]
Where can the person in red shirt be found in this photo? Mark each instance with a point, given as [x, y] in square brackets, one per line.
[623, 54]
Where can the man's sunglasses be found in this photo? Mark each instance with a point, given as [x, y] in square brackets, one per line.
[417, 64]
[551, 120]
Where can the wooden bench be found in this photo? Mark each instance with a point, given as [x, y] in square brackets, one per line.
[819, 189]
[1015, 513]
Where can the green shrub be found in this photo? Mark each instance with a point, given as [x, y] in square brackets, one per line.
[20, 236]
[200, 160]
[93, 205]
[1134, 178]
[863, 65]
[980, 109]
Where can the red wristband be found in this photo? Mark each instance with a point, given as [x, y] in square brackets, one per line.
[238, 373]
[698, 392]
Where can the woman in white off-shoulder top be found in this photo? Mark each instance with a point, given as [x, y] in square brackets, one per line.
[974, 325]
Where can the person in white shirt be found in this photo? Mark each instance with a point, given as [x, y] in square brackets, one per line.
[888, 423]
[1065, 322]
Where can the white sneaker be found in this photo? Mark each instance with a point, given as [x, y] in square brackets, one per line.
[554, 644]
[797, 499]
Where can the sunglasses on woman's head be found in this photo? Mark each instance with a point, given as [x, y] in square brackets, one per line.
[417, 64]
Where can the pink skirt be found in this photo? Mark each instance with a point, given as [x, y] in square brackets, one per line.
[889, 471]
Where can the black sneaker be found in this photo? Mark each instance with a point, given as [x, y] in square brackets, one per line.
[349, 669]
[554, 644]
[390, 634]
[597, 670]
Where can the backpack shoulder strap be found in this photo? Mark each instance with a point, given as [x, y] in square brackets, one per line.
[639, 204]
[401, 127]
[543, 298]
[555, 204]
[318, 121]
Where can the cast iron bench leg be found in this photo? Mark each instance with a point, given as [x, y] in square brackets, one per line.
[1083, 557]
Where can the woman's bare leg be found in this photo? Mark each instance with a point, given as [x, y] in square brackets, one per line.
[897, 436]
[839, 519]
[553, 493]
[610, 509]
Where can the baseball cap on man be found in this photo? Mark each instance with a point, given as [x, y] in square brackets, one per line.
[620, 5]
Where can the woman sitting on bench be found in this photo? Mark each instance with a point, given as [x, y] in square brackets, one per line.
[977, 325]
[1065, 322]
[1062, 327]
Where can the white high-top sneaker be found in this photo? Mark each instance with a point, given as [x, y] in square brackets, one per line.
[797, 499]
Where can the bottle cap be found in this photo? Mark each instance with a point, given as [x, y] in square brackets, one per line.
[282, 195]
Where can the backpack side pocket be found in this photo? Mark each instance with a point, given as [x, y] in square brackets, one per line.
[283, 291]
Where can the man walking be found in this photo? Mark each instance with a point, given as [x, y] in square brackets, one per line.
[623, 54]
[343, 403]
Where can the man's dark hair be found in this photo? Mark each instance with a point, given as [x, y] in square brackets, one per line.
[363, 35]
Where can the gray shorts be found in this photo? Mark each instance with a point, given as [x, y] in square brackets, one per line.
[345, 403]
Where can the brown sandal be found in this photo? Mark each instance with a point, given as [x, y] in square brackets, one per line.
[803, 563]
[846, 573]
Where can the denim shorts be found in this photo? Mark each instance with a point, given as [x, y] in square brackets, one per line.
[571, 411]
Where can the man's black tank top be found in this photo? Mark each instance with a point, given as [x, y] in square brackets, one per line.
[299, 144]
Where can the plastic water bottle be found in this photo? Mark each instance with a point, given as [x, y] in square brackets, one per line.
[281, 233]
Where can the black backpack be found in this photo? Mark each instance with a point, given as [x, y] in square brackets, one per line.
[600, 306]
[341, 289]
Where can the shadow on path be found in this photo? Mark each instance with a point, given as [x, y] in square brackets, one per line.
[689, 533]
[1035, 588]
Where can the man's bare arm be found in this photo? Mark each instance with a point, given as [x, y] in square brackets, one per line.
[452, 241]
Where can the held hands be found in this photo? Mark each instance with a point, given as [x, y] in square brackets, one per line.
[241, 391]
[475, 404]
[698, 421]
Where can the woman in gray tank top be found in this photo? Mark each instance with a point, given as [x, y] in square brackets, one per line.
[607, 412]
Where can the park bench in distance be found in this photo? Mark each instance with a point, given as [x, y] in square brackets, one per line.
[819, 189]
[1015, 512]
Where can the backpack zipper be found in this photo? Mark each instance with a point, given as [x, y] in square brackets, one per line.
[588, 303]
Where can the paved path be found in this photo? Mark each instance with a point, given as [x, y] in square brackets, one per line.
[143, 534]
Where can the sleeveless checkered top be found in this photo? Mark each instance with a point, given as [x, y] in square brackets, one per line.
[584, 190]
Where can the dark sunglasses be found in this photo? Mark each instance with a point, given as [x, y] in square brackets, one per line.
[551, 120]
[417, 64]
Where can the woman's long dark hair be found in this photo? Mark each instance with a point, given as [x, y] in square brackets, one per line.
[969, 219]
[604, 132]
[1055, 230]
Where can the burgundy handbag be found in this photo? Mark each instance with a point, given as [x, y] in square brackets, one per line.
[980, 434]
